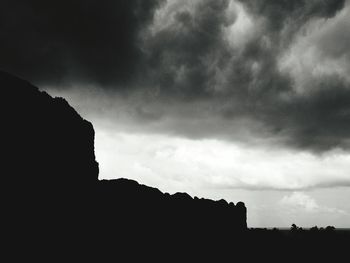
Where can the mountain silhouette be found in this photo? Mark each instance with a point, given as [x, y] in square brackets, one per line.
[52, 198]
[55, 208]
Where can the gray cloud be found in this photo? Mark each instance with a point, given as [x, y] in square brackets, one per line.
[83, 41]
[284, 13]
[204, 68]
[182, 57]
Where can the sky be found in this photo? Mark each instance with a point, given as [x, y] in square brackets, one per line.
[246, 100]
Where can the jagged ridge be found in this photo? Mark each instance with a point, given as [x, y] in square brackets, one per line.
[52, 190]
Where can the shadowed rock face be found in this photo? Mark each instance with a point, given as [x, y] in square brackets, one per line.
[48, 142]
[51, 188]
[178, 213]
[49, 162]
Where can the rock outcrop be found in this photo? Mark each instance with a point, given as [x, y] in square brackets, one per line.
[51, 188]
[148, 208]
[47, 142]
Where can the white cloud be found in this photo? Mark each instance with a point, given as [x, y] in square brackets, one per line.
[165, 160]
[164, 16]
[320, 49]
[242, 29]
[239, 30]
[300, 201]
[174, 163]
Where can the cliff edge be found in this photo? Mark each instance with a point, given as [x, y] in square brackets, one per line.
[51, 189]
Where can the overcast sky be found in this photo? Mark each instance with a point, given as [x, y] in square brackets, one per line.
[247, 100]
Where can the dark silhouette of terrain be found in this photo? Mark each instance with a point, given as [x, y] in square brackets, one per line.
[51, 188]
[53, 204]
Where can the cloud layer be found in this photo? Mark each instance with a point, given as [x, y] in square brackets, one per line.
[80, 41]
[300, 200]
[169, 161]
[270, 71]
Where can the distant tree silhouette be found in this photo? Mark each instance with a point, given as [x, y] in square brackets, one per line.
[294, 227]
[330, 228]
[314, 229]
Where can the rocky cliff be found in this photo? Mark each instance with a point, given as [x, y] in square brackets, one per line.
[47, 142]
[51, 188]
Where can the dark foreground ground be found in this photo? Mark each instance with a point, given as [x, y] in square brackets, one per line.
[97, 244]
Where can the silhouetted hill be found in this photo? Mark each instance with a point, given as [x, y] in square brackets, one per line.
[48, 141]
[51, 190]
[149, 210]
[49, 162]
[54, 206]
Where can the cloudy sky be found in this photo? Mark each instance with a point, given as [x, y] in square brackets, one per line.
[237, 99]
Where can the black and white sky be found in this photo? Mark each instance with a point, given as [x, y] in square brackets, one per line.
[237, 99]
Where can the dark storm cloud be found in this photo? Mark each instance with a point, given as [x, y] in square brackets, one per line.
[51, 41]
[189, 55]
[320, 120]
[192, 59]
[192, 75]
[295, 12]
[182, 58]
